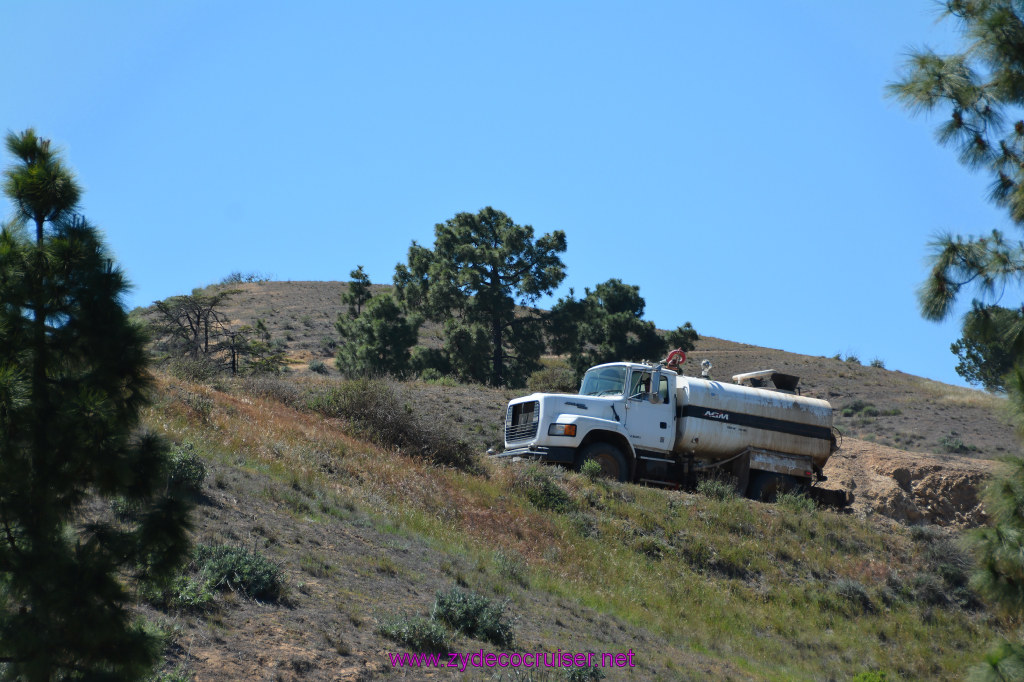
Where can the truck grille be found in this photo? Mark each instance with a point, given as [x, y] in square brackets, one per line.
[521, 421]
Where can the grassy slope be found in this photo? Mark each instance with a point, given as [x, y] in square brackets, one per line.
[698, 587]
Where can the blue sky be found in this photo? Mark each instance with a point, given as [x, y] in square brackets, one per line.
[737, 161]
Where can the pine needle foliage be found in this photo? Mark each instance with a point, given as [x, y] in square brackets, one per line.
[607, 325]
[981, 89]
[72, 381]
[483, 266]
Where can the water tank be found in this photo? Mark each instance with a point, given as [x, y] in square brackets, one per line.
[717, 420]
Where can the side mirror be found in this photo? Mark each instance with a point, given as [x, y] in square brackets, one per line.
[655, 394]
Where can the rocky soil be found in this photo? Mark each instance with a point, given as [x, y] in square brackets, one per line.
[910, 487]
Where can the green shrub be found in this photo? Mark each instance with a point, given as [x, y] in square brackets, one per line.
[318, 366]
[431, 374]
[185, 468]
[930, 589]
[233, 568]
[200, 404]
[553, 380]
[193, 369]
[854, 594]
[264, 386]
[536, 482]
[238, 277]
[183, 593]
[582, 674]
[418, 633]
[511, 566]
[797, 502]
[716, 489]
[591, 469]
[475, 616]
[859, 408]
[373, 408]
[878, 362]
[871, 676]
[653, 547]
[952, 443]
[190, 594]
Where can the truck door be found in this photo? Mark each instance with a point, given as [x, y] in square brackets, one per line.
[650, 425]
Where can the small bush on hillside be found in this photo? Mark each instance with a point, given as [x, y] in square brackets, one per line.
[952, 443]
[852, 359]
[853, 593]
[434, 377]
[185, 468]
[553, 380]
[263, 386]
[652, 547]
[328, 347]
[878, 363]
[859, 408]
[537, 483]
[193, 369]
[373, 407]
[591, 469]
[512, 566]
[582, 674]
[183, 593]
[237, 277]
[871, 676]
[796, 502]
[233, 568]
[716, 489]
[475, 616]
[418, 633]
[318, 366]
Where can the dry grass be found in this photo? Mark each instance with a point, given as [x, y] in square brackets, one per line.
[766, 591]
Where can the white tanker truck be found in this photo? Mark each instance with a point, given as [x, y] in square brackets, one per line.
[647, 423]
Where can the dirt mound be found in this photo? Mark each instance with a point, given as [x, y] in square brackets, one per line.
[910, 487]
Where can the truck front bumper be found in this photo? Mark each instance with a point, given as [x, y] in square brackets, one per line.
[560, 455]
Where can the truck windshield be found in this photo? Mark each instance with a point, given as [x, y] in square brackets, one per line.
[604, 381]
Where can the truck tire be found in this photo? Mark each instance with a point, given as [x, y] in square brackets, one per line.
[765, 486]
[613, 463]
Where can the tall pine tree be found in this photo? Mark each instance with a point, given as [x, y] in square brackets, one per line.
[482, 268]
[981, 89]
[72, 381]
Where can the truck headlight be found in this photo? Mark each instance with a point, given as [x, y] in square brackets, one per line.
[562, 430]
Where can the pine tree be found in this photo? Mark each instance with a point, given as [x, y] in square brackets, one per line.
[72, 381]
[982, 91]
[376, 334]
[607, 325]
[358, 292]
[482, 267]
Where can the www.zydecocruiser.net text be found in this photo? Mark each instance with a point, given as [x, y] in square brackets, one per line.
[541, 659]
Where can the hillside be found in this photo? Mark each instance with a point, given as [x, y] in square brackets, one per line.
[884, 415]
[697, 586]
[914, 414]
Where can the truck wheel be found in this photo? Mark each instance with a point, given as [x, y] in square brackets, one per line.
[766, 486]
[613, 463]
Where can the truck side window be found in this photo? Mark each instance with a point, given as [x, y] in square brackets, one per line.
[640, 383]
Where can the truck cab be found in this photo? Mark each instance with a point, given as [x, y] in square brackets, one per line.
[614, 418]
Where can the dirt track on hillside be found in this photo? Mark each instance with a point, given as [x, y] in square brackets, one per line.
[910, 487]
